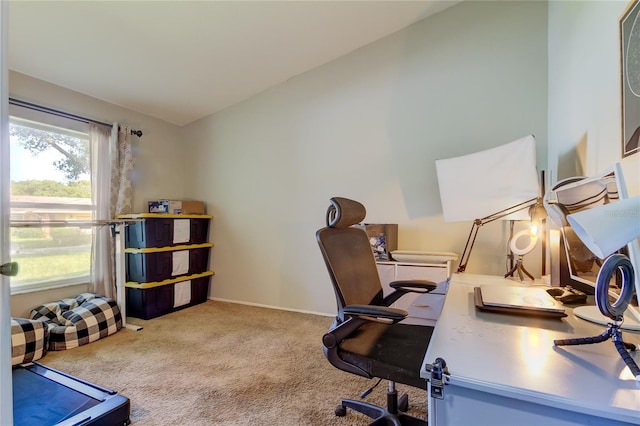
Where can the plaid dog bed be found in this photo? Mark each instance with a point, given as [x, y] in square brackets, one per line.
[29, 340]
[78, 321]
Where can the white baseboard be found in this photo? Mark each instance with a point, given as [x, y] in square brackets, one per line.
[259, 305]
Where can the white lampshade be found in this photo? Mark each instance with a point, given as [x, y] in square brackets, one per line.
[606, 228]
[477, 185]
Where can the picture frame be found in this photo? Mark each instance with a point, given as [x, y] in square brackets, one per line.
[383, 238]
[630, 78]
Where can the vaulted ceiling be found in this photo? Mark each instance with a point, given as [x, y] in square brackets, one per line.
[183, 60]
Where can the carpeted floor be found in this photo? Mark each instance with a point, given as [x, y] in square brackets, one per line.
[225, 364]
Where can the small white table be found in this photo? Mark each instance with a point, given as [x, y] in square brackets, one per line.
[505, 370]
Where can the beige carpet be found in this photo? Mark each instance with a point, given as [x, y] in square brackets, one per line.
[225, 364]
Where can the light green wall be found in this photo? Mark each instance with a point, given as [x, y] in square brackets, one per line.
[367, 126]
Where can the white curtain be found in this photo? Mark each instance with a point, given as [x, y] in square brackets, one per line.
[111, 167]
[121, 168]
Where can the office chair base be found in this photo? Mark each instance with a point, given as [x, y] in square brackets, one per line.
[381, 415]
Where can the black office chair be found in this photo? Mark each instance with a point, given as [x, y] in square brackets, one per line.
[367, 337]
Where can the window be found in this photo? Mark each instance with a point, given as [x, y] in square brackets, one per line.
[50, 181]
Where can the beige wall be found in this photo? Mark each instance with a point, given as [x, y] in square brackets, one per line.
[159, 153]
[159, 157]
[22, 304]
[367, 126]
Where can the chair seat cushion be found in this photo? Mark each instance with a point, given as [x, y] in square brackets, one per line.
[29, 340]
[77, 321]
[393, 352]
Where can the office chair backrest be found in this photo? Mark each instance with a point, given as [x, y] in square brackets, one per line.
[348, 255]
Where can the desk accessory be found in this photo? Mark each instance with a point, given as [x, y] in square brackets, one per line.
[530, 236]
[383, 238]
[577, 265]
[500, 183]
[568, 295]
[528, 301]
[605, 229]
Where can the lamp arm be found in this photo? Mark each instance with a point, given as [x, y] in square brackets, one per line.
[464, 259]
[508, 211]
[471, 239]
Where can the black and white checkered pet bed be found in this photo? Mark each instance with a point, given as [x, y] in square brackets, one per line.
[29, 340]
[78, 321]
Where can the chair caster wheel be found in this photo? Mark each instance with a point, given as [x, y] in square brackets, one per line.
[341, 411]
[403, 403]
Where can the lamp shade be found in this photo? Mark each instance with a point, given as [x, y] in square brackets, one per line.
[608, 227]
[477, 185]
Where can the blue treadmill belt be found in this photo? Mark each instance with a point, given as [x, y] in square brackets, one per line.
[38, 400]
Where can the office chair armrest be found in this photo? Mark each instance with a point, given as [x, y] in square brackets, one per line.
[414, 286]
[376, 313]
[355, 316]
[408, 286]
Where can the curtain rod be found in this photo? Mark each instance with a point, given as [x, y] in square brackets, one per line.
[59, 113]
[67, 223]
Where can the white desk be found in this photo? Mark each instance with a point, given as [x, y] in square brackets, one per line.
[504, 369]
[423, 309]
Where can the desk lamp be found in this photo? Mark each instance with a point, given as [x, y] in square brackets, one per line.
[604, 230]
[500, 183]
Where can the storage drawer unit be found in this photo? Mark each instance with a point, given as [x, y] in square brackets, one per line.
[157, 264]
[166, 262]
[162, 230]
[150, 300]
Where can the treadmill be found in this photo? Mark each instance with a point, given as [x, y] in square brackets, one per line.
[46, 397]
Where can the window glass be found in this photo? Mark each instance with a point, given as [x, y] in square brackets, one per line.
[50, 181]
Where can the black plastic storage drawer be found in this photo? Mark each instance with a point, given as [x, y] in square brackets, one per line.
[162, 230]
[157, 264]
[150, 300]
[147, 303]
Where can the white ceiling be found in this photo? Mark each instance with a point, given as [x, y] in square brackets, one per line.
[183, 60]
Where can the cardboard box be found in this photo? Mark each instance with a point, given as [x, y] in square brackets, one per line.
[176, 207]
[383, 238]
